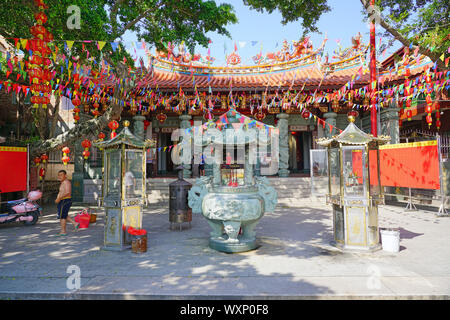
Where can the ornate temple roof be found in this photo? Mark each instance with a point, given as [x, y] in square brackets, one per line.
[127, 138]
[301, 68]
[352, 135]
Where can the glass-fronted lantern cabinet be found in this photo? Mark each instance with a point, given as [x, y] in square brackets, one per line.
[123, 186]
[354, 190]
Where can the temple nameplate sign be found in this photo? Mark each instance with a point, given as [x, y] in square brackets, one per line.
[298, 128]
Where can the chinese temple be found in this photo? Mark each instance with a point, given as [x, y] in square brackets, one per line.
[300, 90]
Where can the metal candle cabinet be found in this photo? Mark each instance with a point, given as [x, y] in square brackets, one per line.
[123, 186]
[179, 211]
[354, 190]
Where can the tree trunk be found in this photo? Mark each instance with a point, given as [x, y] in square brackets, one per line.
[55, 115]
[93, 126]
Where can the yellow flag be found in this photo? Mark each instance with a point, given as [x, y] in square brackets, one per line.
[23, 42]
[70, 44]
[443, 57]
[101, 44]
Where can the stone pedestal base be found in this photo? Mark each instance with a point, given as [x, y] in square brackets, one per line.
[347, 248]
[222, 245]
[283, 173]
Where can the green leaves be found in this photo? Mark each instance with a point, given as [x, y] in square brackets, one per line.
[309, 11]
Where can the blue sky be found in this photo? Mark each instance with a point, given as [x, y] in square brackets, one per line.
[340, 24]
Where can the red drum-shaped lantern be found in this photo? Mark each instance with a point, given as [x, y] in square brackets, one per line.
[76, 117]
[101, 136]
[40, 4]
[76, 101]
[161, 117]
[44, 158]
[37, 161]
[438, 124]
[96, 113]
[41, 173]
[38, 31]
[86, 143]
[408, 103]
[65, 159]
[113, 125]
[76, 110]
[429, 120]
[428, 108]
[352, 114]
[409, 114]
[36, 60]
[146, 124]
[306, 114]
[40, 17]
[86, 154]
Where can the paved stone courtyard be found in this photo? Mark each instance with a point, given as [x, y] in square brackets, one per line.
[295, 260]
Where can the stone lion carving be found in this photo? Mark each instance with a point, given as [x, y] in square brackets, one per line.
[197, 193]
[268, 193]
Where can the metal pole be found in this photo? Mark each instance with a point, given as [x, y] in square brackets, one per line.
[410, 206]
[442, 209]
[28, 169]
[373, 77]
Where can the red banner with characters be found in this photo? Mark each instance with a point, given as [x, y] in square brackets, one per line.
[13, 169]
[410, 165]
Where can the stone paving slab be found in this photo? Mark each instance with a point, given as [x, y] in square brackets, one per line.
[294, 261]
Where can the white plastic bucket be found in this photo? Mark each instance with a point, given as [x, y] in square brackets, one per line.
[390, 240]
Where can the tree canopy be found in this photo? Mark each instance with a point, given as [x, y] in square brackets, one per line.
[155, 21]
[418, 23]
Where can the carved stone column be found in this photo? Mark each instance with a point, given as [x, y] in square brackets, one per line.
[389, 124]
[330, 118]
[184, 124]
[283, 126]
[138, 126]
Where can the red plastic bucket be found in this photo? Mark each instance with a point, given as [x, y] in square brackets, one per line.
[83, 219]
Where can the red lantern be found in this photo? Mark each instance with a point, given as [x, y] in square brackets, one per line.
[65, 159]
[40, 4]
[101, 136]
[37, 161]
[409, 114]
[408, 103]
[306, 114]
[428, 108]
[438, 124]
[260, 116]
[44, 158]
[353, 114]
[40, 17]
[76, 101]
[146, 124]
[38, 31]
[113, 125]
[161, 117]
[86, 143]
[41, 173]
[429, 120]
[86, 154]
